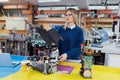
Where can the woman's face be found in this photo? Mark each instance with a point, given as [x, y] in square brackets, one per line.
[69, 17]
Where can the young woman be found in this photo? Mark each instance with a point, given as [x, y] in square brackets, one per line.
[73, 39]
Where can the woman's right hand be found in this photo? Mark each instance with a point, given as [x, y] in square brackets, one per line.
[63, 57]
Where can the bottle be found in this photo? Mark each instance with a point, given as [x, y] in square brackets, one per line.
[23, 66]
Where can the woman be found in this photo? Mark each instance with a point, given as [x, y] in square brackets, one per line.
[73, 39]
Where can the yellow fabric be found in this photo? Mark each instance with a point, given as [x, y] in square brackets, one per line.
[98, 73]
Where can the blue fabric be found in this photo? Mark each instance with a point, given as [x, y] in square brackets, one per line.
[6, 71]
[72, 38]
[57, 27]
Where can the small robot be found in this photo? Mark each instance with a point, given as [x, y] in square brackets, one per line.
[44, 63]
[86, 69]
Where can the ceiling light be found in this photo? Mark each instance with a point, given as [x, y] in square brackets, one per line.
[103, 7]
[113, 7]
[96, 7]
[4, 0]
[48, 0]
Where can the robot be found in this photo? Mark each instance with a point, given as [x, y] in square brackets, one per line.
[46, 59]
[86, 69]
[45, 63]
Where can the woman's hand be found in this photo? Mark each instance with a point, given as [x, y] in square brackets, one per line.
[63, 57]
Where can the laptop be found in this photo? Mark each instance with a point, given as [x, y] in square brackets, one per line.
[6, 61]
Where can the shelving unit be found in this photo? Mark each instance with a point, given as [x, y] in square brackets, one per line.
[104, 22]
[53, 17]
[96, 18]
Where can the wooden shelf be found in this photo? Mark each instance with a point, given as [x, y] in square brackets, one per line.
[51, 20]
[12, 18]
[52, 12]
[4, 31]
[9, 31]
[102, 25]
[23, 32]
[2, 21]
[46, 22]
[105, 23]
[100, 21]
[19, 6]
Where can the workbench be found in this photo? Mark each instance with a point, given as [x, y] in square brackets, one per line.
[98, 73]
[112, 54]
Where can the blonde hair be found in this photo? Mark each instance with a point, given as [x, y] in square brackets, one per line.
[75, 16]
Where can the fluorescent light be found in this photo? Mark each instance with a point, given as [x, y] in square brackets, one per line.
[112, 7]
[96, 7]
[103, 7]
[4, 0]
[48, 0]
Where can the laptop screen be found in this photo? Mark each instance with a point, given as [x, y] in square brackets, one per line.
[5, 60]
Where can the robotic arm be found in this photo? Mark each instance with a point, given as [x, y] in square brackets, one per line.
[100, 35]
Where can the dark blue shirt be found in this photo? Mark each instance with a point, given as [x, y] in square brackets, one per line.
[72, 38]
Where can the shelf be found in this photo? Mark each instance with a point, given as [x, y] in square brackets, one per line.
[16, 6]
[51, 19]
[22, 32]
[52, 12]
[2, 22]
[46, 22]
[102, 25]
[4, 31]
[13, 18]
[105, 20]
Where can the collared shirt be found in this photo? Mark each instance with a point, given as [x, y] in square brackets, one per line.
[72, 26]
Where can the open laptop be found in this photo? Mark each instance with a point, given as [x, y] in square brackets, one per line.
[6, 61]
